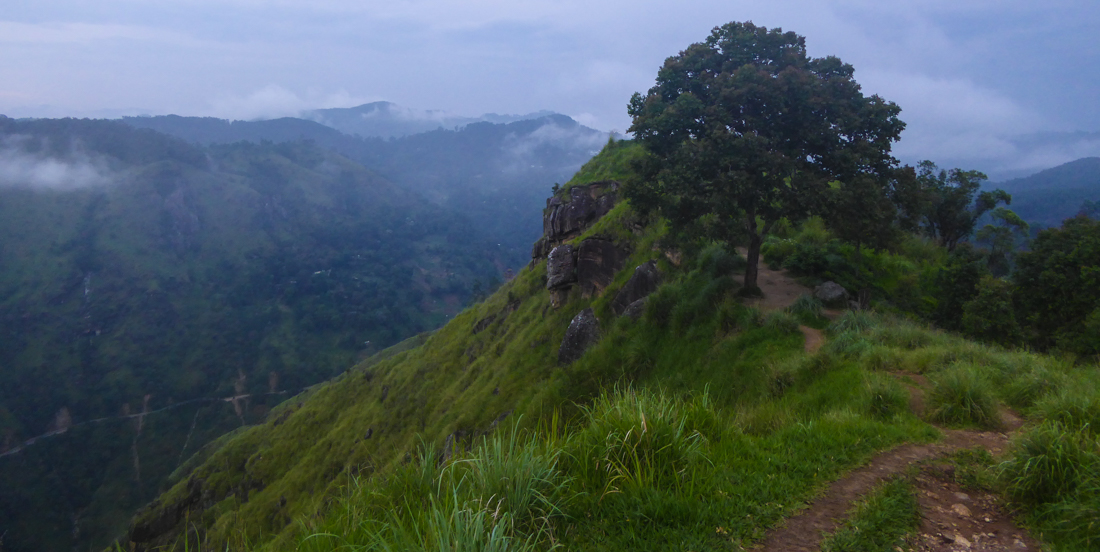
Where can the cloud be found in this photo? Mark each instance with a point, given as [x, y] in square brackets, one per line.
[61, 33]
[19, 169]
[273, 101]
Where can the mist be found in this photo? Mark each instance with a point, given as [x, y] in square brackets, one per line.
[22, 169]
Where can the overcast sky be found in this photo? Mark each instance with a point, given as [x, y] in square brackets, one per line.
[971, 76]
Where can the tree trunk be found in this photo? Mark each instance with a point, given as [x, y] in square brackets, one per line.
[753, 258]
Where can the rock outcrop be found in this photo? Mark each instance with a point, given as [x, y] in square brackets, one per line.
[832, 294]
[583, 332]
[561, 267]
[598, 261]
[644, 281]
[565, 220]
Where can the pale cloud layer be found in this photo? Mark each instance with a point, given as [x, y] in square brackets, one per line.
[970, 76]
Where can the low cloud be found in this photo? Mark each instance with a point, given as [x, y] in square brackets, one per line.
[274, 101]
[20, 169]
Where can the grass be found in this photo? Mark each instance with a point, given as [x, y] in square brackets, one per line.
[698, 426]
[960, 397]
[882, 521]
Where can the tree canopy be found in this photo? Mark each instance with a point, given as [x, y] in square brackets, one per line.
[745, 129]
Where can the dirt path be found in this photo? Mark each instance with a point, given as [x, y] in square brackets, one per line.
[779, 287]
[952, 520]
[814, 338]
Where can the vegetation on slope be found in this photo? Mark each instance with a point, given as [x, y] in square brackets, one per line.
[173, 277]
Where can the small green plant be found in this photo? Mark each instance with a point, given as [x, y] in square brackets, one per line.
[960, 396]
[881, 522]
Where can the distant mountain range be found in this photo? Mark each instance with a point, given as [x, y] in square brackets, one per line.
[495, 173]
[389, 120]
[1053, 195]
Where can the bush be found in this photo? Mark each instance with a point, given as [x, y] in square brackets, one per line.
[960, 396]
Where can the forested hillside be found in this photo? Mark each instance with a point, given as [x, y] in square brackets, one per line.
[1053, 195]
[155, 294]
[493, 173]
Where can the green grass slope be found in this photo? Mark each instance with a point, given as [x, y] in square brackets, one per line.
[698, 426]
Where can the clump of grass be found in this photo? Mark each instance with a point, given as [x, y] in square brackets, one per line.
[848, 344]
[1049, 462]
[855, 321]
[881, 522]
[1055, 474]
[633, 440]
[1075, 407]
[1025, 389]
[960, 396]
[782, 321]
[807, 305]
[882, 357]
[886, 398]
[782, 376]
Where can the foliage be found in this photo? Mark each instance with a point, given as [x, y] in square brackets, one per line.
[1058, 287]
[714, 149]
[184, 276]
[951, 202]
[1001, 236]
[956, 284]
[989, 316]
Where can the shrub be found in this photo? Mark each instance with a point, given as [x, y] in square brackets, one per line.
[959, 396]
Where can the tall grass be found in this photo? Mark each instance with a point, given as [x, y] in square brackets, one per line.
[961, 397]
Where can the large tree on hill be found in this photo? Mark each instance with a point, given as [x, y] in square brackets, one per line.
[745, 129]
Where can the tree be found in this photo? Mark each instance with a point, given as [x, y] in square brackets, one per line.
[989, 315]
[1058, 286]
[949, 204]
[1001, 235]
[745, 129]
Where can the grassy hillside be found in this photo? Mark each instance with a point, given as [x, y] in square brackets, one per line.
[156, 276]
[700, 425]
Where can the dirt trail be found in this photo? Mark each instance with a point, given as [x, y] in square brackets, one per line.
[779, 287]
[952, 520]
[814, 338]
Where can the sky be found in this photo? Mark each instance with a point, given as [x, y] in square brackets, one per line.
[1005, 86]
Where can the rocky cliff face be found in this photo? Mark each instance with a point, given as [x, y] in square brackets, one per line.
[592, 263]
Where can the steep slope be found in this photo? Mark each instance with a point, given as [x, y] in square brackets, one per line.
[494, 173]
[145, 282]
